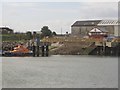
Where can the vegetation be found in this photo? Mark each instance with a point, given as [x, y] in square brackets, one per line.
[46, 31]
[13, 37]
[54, 33]
[29, 35]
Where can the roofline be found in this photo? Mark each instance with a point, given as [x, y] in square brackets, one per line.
[108, 25]
[82, 25]
[90, 20]
[96, 24]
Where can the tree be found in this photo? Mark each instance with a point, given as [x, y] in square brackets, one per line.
[54, 33]
[46, 31]
[34, 34]
[29, 34]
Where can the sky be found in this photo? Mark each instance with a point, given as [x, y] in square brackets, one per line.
[58, 16]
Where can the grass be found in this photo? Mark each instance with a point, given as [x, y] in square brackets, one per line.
[13, 37]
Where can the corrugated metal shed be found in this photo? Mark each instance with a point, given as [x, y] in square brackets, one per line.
[86, 23]
[108, 22]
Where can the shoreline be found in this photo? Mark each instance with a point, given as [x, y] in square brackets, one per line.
[98, 56]
[81, 48]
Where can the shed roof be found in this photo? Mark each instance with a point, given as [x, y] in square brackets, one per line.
[98, 30]
[108, 22]
[95, 30]
[86, 23]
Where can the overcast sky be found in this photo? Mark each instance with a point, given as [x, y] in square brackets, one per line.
[29, 16]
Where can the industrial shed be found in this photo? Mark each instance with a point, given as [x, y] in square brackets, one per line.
[112, 26]
[82, 28]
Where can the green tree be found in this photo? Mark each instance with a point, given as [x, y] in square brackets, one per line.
[34, 34]
[46, 31]
[54, 33]
[29, 35]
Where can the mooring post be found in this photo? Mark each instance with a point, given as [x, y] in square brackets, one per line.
[34, 50]
[43, 50]
[47, 50]
[38, 44]
[38, 51]
[101, 50]
[98, 50]
[104, 45]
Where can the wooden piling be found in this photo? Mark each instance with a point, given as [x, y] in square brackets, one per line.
[34, 50]
[38, 44]
[47, 50]
[43, 50]
[38, 52]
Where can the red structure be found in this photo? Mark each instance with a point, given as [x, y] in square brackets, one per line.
[97, 33]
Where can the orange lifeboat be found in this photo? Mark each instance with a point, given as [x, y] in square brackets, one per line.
[20, 49]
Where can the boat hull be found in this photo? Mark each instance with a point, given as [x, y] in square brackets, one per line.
[11, 54]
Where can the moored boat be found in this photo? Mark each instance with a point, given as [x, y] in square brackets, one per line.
[20, 50]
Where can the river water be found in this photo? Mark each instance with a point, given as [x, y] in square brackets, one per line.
[60, 72]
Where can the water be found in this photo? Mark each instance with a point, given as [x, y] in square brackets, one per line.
[0, 73]
[60, 72]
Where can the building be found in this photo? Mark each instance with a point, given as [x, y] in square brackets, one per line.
[97, 33]
[112, 26]
[6, 30]
[82, 28]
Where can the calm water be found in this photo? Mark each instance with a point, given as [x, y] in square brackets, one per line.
[60, 72]
[0, 73]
